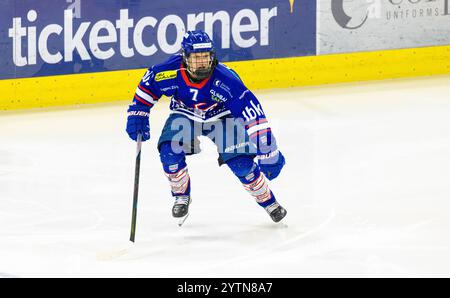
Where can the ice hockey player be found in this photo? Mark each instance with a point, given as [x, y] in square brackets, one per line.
[205, 96]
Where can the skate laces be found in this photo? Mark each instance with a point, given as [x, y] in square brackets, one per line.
[182, 200]
[272, 207]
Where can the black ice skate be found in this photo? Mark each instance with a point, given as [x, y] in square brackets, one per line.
[180, 208]
[276, 212]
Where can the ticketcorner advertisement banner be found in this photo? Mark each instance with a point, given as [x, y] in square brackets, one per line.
[56, 37]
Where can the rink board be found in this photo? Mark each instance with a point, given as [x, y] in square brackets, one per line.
[270, 43]
[278, 73]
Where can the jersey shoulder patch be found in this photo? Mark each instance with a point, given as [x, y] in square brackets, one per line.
[166, 75]
[168, 69]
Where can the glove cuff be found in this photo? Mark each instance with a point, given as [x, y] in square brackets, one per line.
[138, 113]
[270, 158]
[268, 155]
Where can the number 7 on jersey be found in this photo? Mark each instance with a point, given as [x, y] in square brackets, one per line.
[195, 91]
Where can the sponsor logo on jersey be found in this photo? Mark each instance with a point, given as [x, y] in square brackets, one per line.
[217, 97]
[169, 88]
[166, 75]
[221, 85]
[251, 113]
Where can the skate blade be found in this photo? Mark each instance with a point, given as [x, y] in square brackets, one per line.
[182, 220]
[282, 224]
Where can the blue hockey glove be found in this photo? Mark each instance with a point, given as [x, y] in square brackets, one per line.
[271, 164]
[137, 122]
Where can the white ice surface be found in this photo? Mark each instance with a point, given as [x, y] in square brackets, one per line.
[366, 186]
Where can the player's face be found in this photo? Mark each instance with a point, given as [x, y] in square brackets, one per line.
[199, 61]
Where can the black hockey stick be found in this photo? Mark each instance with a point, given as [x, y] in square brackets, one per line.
[136, 186]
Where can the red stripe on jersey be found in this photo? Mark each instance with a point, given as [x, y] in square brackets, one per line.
[142, 101]
[255, 122]
[148, 92]
[188, 82]
[257, 133]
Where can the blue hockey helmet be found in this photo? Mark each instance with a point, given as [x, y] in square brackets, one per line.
[198, 41]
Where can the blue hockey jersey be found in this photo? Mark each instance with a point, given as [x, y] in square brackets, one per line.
[223, 94]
